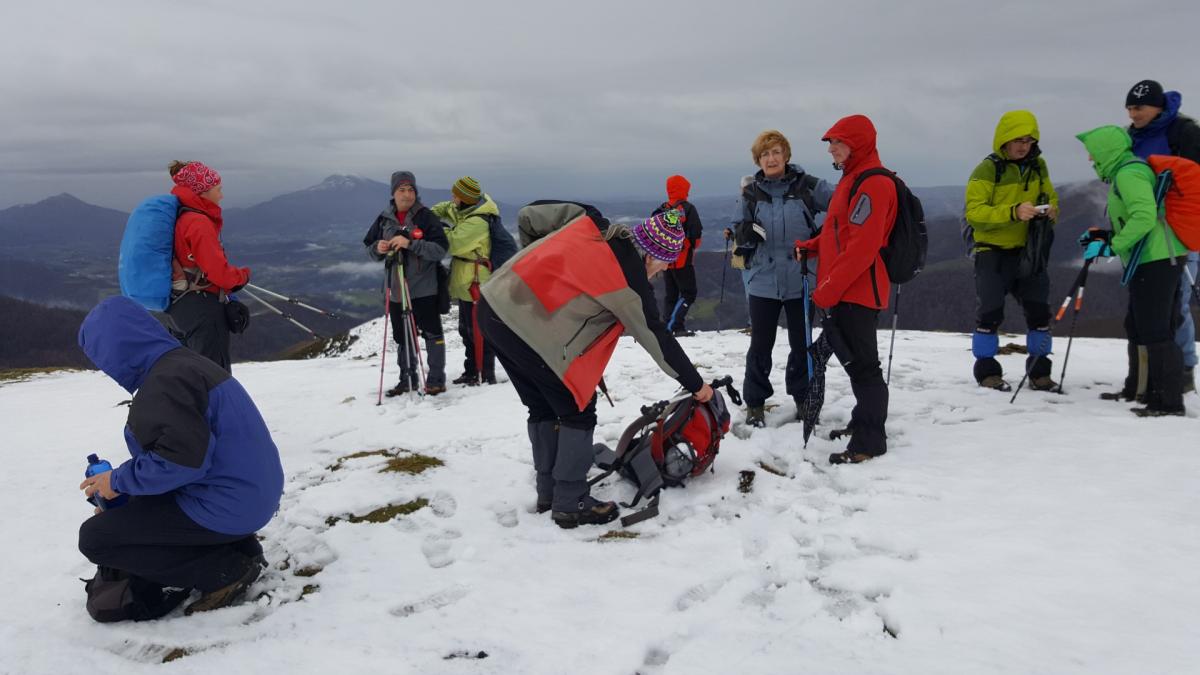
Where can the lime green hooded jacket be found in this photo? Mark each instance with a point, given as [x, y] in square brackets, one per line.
[469, 240]
[1131, 205]
[990, 203]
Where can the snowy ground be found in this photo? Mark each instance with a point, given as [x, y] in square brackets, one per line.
[1056, 535]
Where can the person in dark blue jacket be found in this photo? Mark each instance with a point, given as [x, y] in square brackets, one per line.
[1157, 128]
[204, 474]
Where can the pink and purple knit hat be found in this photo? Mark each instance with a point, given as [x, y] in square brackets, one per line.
[661, 235]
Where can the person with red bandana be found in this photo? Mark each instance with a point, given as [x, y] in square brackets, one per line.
[202, 277]
[679, 281]
[852, 280]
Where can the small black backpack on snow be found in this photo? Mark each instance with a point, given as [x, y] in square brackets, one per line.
[904, 254]
[115, 595]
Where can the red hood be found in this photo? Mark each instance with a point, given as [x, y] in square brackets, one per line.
[194, 201]
[678, 188]
[857, 132]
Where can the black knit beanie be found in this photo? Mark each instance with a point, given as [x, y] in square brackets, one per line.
[1146, 92]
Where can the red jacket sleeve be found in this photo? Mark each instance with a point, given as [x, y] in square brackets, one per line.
[863, 240]
[202, 241]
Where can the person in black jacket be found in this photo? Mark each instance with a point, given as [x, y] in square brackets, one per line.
[412, 242]
[1157, 128]
[679, 291]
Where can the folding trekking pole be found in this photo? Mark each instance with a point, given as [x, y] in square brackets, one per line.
[807, 313]
[412, 339]
[724, 266]
[387, 305]
[892, 346]
[282, 313]
[1083, 274]
[1077, 293]
[294, 301]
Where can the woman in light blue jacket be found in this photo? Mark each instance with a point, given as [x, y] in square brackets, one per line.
[776, 209]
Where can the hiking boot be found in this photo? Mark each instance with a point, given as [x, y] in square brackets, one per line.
[850, 457]
[995, 382]
[227, 595]
[1122, 395]
[434, 389]
[401, 388]
[543, 507]
[591, 512]
[1042, 383]
[683, 332]
[1149, 411]
[1189, 380]
[756, 416]
[489, 379]
[469, 379]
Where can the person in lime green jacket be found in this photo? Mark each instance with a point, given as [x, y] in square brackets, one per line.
[1148, 245]
[1009, 195]
[467, 217]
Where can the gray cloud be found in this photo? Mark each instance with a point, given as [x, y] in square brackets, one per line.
[549, 98]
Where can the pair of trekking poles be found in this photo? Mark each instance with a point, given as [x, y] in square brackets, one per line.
[412, 343]
[248, 289]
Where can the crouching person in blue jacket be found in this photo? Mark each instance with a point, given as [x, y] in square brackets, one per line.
[204, 474]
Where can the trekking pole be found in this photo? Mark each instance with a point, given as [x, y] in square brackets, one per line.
[807, 312]
[724, 266]
[282, 313]
[412, 336]
[1074, 317]
[387, 305]
[1077, 293]
[295, 301]
[892, 346]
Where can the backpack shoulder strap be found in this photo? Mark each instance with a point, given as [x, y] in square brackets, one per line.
[1000, 163]
[877, 171]
[802, 188]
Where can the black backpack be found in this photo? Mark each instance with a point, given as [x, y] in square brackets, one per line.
[503, 244]
[904, 254]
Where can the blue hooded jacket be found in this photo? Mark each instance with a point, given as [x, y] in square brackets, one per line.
[192, 430]
[1152, 138]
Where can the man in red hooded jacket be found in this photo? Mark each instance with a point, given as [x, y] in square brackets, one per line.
[852, 281]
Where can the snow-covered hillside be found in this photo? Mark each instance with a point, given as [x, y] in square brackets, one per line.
[1056, 535]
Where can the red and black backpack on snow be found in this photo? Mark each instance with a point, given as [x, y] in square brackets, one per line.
[669, 444]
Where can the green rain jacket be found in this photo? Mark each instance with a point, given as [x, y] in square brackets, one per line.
[1131, 205]
[990, 203]
[469, 242]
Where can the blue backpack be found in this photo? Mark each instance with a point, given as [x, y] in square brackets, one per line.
[147, 248]
[503, 244]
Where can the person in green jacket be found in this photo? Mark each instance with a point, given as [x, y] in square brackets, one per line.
[1009, 196]
[466, 216]
[1145, 243]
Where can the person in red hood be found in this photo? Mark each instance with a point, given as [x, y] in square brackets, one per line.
[202, 277]
[852, 281]
[679, 281]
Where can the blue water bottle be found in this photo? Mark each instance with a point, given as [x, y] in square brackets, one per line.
[95, 466]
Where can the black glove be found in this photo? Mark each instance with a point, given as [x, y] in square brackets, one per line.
[750, 233]
[237, 316]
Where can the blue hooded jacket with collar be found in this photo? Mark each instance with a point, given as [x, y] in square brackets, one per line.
[1152, 139]
[192, 430]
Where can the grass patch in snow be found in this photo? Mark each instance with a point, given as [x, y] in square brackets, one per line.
[318, 347]
[22, 374]
[309, 589]
[175, 654]
[412, 463]
[617, 535]
[310, 571]
[384, 513]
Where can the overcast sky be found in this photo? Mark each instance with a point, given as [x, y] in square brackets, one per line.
[552, 99]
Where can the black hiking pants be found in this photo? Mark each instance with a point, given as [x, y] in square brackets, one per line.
[560, 434]
[429, 329]
[679, 284]
[764, 324]
[152, 538]
[857, 327]
[995, 279]
[198, 319]
[467, 332]
[1151, 321]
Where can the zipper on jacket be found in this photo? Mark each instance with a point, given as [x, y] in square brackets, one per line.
[875, 285]
[576, 335]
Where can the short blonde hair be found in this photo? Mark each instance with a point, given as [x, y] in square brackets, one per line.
[765, 140]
